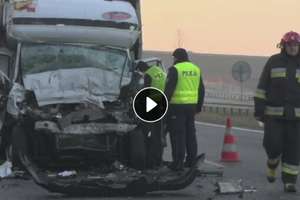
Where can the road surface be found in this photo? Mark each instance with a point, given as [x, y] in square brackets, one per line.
[251, 170]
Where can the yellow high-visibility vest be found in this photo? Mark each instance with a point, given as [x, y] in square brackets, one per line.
[187, 86]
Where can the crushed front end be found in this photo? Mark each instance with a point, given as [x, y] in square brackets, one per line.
[76, 132]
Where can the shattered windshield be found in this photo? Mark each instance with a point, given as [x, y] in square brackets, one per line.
[37, 58]
[72, 73]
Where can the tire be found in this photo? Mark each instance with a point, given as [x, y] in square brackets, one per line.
[137, 153]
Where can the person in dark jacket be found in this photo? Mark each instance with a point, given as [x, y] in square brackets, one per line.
[277, 104]
[155, 77]
[185, 92]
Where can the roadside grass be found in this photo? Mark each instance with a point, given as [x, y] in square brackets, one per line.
[243, 121]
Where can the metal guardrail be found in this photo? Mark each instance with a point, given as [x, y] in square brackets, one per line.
[230, 96]
[229, 108]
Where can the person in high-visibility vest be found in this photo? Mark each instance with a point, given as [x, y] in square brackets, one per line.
[277, 104]
[185, 92]
[155, 77]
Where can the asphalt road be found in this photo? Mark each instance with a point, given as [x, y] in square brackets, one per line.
[251, 170]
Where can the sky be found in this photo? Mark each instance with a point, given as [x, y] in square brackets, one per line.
[243, 27]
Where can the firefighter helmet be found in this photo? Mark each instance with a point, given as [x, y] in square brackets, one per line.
[290, 38]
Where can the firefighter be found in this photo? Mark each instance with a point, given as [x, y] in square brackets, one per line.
[185, 92]
[277, 104]
[154, 76]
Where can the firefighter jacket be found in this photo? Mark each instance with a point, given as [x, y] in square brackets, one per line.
[278, 90]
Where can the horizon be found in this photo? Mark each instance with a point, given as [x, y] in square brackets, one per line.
[204, 53]
[232, 27]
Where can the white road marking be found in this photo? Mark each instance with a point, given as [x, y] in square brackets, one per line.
[234, 128]
[214, 164]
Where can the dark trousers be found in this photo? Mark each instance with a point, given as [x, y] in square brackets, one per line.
[282, 141]
[5, 141]
[5, 133]
[181, 125]
[154, 148]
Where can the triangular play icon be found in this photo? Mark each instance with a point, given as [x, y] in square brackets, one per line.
[150, 104]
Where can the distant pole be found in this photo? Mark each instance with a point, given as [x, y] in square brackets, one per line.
[242, 90]
[241, 83]
[179, 38]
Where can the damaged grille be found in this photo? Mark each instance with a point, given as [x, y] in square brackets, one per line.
[87, 142]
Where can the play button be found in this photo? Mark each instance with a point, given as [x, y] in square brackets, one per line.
[150, 104]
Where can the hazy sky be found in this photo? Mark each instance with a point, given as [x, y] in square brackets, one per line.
[249, 27]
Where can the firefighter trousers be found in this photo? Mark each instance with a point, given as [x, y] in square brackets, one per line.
[282, 141]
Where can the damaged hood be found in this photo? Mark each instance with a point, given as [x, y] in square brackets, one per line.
[74, 86]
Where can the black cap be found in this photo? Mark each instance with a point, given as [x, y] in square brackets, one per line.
[143, 66]
[180, 54]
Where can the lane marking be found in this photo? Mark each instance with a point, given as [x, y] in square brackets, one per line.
[218, 165]
[234, 128]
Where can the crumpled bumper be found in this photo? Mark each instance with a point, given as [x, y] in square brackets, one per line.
[135, 183]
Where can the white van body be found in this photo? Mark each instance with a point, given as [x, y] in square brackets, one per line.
[113, 23]
[82, 34]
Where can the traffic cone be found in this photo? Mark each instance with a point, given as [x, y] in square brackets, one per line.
[229, 152]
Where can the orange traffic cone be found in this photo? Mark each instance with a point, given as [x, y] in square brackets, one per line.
[229, 152]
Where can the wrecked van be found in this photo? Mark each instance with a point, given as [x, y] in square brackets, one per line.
[71, 93]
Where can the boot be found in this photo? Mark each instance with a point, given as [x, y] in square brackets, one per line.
[271, 175]
[271, 170]
[290, 188]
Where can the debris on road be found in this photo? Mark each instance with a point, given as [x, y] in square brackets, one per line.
[250, 190]
[67, 173]
[229, 187]
[209, 168]
[5, 169]
[234, 187]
